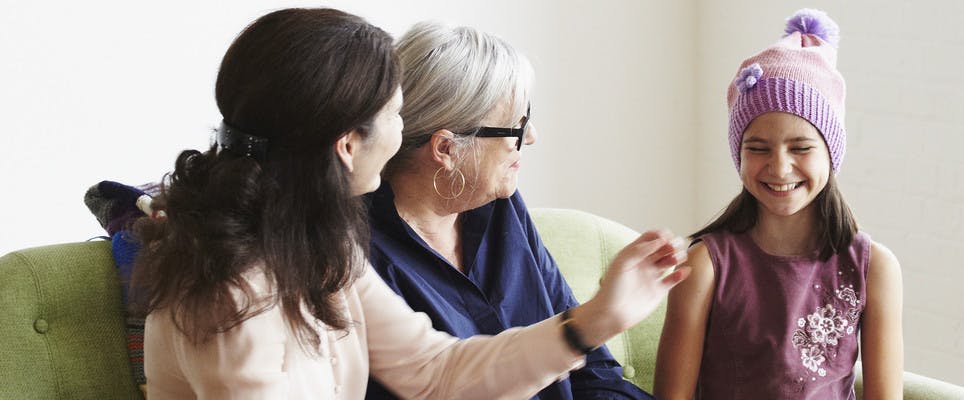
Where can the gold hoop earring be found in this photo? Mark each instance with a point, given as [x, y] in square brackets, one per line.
[461, 188]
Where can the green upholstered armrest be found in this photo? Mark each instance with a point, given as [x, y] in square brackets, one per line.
[62, 325]
[583, 244]
[919, 387]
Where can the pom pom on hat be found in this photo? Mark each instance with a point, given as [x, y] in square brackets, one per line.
[814, 22]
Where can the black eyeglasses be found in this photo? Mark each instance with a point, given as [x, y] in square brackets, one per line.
[518, 133]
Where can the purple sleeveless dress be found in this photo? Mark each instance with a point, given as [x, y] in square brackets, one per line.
[782, 327]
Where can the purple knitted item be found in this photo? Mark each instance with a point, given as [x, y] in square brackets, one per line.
[814, 22]
[794, 97]
[799, 76]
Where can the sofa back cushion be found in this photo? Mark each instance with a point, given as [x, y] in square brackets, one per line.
[583, 245]
[62, 326]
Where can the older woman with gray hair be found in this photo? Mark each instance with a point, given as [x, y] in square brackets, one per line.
[450, 231]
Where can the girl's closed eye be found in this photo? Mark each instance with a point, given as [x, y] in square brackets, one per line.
[756, 149]
[801, 150]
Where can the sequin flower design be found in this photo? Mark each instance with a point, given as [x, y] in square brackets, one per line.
[826, 325]
[818, 334]
[748, 77]
[853, 313]
[812, 357]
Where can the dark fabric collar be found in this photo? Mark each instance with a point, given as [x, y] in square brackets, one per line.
[384, 217]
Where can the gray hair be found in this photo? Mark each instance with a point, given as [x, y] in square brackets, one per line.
[452, 78]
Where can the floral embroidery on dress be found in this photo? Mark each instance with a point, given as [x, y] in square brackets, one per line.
[819, 333]
[847, 294]
[800, 338]
[826, 325]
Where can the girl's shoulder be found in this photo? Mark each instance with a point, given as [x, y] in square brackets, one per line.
[881, 258]
[876, 253]
[698, 258]
[698, 254]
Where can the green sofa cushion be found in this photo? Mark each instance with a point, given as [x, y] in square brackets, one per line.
[62, 326]
[583, 245]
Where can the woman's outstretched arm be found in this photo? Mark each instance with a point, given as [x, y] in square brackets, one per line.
[417, 362]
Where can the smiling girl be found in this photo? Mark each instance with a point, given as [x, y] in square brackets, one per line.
[784, 284]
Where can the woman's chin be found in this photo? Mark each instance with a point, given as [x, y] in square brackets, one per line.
[507, 191]
[360, 190]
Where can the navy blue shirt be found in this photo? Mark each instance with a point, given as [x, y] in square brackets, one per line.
[510, 280]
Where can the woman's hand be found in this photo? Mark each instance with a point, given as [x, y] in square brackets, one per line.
[633, 286]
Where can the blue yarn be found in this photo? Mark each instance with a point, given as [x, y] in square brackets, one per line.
[124, 248]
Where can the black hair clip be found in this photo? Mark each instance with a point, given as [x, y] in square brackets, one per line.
[239, 143]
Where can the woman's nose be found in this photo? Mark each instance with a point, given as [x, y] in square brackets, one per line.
[531, 134]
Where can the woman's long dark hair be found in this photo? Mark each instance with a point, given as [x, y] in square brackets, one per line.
[835, 222]
[300, 78]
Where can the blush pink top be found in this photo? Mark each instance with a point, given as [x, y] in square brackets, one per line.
[262, 359]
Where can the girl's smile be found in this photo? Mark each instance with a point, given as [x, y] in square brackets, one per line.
[784, 163]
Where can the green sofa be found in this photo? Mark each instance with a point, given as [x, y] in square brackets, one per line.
[62, 326]
[62, 333]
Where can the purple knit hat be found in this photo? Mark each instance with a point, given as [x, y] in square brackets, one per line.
[797, 75]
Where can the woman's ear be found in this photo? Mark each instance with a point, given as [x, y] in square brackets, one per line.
[442, 147]
[346, 147]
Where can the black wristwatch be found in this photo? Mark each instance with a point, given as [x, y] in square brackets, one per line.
[573, 338]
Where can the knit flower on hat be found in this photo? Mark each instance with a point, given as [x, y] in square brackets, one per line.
[748, 77]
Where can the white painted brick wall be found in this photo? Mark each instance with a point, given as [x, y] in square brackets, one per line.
[906, 107]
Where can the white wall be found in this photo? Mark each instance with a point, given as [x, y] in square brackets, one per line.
[903, 174]
[97, 91]
[629, 103]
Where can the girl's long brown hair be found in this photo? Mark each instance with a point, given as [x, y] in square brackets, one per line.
[301, 78]
[835, 222]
